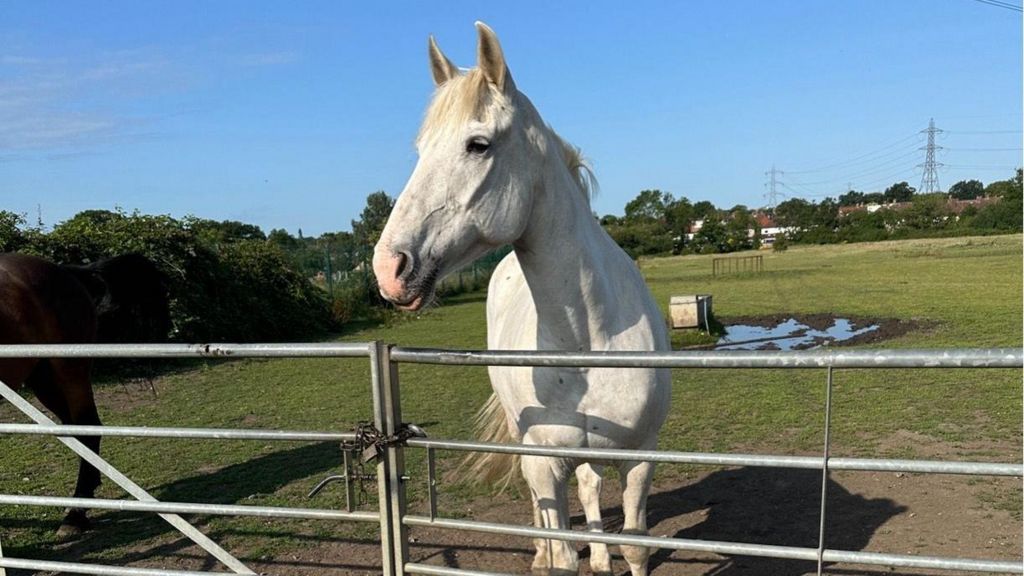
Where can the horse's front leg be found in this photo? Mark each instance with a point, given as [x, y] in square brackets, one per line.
[589, 478]
[548, 480]
[636, 478]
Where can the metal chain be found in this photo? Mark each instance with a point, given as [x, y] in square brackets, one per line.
[369, 444]
[372, 442]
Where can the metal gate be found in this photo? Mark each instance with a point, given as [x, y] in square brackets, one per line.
[390, 439]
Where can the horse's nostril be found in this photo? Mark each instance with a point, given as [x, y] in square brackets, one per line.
[403, 264]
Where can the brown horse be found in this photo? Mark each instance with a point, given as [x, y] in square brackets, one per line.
[43, 303]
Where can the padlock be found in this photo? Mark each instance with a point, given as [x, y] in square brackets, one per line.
[370, 453]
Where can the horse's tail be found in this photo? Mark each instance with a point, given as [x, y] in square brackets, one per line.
[499, 470]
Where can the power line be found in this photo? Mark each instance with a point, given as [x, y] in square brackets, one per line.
[982, 167]
[875, 168]
[803, 189]
[985, 149]
[982, 131]
[862, 171]
[855, 159]
[890, 178]
[1000, 4]
[853, 166]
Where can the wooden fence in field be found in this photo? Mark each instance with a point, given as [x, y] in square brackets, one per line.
[735, 264]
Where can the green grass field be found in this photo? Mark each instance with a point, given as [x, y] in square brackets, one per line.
[963, 292]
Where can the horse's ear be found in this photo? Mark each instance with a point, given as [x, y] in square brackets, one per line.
[490, 59]
[440, 66]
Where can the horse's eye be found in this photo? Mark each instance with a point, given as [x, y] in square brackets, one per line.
[477, 146]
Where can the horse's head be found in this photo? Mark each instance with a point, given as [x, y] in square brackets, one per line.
[470, 192]
[130, 294]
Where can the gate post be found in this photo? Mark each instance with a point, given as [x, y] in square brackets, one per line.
[387, 416]
[824, 470]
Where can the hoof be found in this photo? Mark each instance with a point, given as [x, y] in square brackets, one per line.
[601, 569]
[600, 560]
[74, 523]
[542, 567]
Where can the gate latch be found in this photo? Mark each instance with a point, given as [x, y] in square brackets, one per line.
[368, 445]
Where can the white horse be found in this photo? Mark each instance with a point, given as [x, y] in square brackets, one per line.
[492, 173]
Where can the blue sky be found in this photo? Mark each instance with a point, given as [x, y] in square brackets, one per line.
[287, 115]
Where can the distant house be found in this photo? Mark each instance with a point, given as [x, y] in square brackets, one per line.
[769, 228]
[955, 206]
[694, 228]
[871, 207]
[765, 223]
[958, 206]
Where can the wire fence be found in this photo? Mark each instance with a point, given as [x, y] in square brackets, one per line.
[391, 436]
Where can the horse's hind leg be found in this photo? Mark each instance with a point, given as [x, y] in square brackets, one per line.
[589, 477]
[636, 478]
[548, 480]
[63, 387]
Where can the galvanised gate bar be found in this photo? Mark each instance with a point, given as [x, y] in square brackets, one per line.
[391, 514]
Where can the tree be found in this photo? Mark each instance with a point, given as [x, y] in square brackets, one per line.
[863, 226]
[967, 190]
[371, 222]
[345, 253]
[705, 210]
[796, 213]
[678, 219]
[648, 206]
[225, 231]
[283, 240]
[641, 238]
[10, 233]
[712, 238]
[928, 211]
[899, 192]
[737, 230]
[1008, 212]
[1005, 189]
[827, 213]
[851, 198]
[874, 198]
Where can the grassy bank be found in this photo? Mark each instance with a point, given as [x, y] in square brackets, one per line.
[962, 292]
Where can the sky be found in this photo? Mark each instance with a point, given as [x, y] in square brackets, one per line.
[288, 114]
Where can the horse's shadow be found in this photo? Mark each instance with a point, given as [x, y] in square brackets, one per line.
[760, 506]
[231, 484]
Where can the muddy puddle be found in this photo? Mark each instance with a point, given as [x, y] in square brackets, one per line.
[803, 333]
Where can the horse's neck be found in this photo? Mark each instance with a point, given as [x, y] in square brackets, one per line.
[565, 260]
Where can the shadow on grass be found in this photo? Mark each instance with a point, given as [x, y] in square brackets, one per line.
[473, 297]
[749, 505]
[762, 506]
[228, 485]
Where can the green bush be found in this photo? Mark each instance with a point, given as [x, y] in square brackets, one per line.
[356, 299]
[222, 287]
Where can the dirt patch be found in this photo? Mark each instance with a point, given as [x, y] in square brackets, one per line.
[928, 447]
[887, 328]
[878, 512]
[127, 396]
